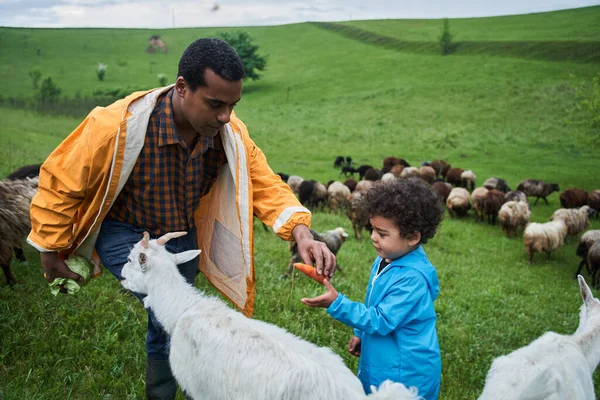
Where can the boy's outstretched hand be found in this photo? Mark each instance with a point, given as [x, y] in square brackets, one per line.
[323, 300]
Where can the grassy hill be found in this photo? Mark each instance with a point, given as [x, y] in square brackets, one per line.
[325, 94]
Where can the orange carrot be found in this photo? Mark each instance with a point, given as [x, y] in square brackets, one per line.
[310, 271]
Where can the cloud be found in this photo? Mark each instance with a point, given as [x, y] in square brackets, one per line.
[190, 13]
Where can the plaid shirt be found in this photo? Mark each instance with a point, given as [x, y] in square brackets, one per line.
[168, 180]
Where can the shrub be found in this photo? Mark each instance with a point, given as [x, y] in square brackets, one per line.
[35, 74]
[446, 38]
[101, 71]
[162, 79]
[242, 43]
[48, 92]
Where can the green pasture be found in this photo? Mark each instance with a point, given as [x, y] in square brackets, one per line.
[325, 94]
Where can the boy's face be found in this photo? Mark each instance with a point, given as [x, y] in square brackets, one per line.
[387, 239]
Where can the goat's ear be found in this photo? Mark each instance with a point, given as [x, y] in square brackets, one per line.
[142, 258]
[186, 256]
[586, 293]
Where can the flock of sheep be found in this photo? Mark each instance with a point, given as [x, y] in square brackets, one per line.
[494, 201]
[553, 366]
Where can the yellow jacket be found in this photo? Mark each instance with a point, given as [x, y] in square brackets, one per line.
[83, 176]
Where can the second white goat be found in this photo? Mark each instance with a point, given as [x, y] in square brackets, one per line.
[553, 366]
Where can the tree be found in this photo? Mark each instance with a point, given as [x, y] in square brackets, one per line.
[446, 38]
[35, 74]
[242, 43]
[48, 90]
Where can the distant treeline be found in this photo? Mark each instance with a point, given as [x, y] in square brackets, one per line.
[77, 106]
[568, 50]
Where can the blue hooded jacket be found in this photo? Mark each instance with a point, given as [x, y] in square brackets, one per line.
[396, 325]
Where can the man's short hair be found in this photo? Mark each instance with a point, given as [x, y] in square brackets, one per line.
[214, 54]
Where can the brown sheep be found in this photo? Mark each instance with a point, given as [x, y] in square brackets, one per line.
[439, 167]
[453, 176]
[586, 241]
[389, 162]
[573, 198]
[537, 188]
[442, 189]
[372, 175]
[397, 170]
[594, 201]
[491, 205]
[351, 183]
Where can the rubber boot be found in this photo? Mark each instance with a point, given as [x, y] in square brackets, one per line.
[160, 383]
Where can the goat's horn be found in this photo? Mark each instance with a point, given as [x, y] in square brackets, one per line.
[145, 240]
[171, 235]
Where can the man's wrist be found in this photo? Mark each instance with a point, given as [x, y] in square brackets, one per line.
[301, 232]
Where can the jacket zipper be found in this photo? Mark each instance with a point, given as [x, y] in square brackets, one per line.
[373, 283]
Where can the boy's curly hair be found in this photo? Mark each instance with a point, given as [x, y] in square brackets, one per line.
[410, 203]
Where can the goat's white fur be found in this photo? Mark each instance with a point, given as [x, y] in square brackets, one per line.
[553, 366]
[217, 353]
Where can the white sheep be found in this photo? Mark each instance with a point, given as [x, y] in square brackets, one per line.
[477, 197]
[294, 182]
[513, 214]
[409, 172]
[545, 237]
[217, 353]
[576, 219]
[363, 186]
[553, 366]
[467, 180]
[458, 202]
[15, 199]
[337, 195]
[388, 177]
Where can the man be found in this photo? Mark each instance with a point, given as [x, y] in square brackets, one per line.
[171, 159]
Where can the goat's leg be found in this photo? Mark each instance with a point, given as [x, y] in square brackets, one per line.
[10, 278]
[546, 201]
[536, 200]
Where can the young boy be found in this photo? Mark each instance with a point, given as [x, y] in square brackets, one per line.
[395, 334]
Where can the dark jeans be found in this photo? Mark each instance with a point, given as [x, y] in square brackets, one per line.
[115, 241]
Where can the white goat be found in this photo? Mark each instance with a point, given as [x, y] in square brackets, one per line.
[553, 366]
[218, 353]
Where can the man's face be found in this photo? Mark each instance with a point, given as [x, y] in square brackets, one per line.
[208, 108]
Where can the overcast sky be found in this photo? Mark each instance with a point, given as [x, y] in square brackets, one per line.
[199, 13]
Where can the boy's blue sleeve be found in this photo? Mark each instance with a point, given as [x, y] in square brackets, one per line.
[396, 305]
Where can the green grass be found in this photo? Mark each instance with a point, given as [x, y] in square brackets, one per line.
[323, 95]
[579, 24]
